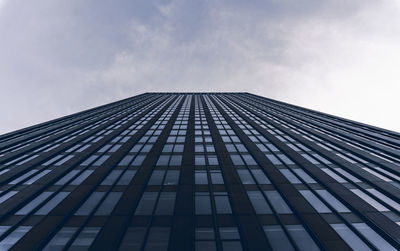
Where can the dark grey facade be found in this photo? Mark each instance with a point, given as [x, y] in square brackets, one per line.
[200, 171]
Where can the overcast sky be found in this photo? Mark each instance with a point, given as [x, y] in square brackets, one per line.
[337, 56]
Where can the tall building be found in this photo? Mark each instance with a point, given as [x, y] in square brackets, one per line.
[200, 171]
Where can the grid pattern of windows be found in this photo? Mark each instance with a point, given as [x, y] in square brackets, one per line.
[193, 171]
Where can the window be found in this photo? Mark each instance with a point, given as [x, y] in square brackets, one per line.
[216, 177]
[13, 237]
[33, 203]
[126, 177]
[316, 203]
[202, 203]
[109, 203]
[302, 238]
[277, 202]
[133, 239]
[258, 202]
[245, 176]
[260, 176]
[157, 177]
[201, 178]
[166, 203]
[230, 239]
[111, 178]
[349, 237]
[146, 203]
[85, 238]
[158, 239]
[335, 203]
[88, 206]
[373, 237]
[52, 203]
[222, 203]
[59, 241]
[205, 239]
[277, 238]
[369, 200]
[171, 178]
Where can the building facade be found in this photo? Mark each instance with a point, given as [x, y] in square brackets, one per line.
[200, 171]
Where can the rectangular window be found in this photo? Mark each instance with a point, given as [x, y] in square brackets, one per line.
[202, 203]
[158, 239]
[133, 239]
[277, 238]
[277, 202]
[33, 203]
[258, 202]
[126, 177]
[91, 202]
[109, 203]
[146, 203]
[85, 238]
[166, 203]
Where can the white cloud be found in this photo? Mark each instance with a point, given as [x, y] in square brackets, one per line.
[335, 56]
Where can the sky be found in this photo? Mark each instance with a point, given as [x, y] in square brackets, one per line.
[336, 56]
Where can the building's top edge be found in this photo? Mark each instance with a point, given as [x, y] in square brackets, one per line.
[195, 92]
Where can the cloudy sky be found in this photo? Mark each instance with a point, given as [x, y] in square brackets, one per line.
[337, 56]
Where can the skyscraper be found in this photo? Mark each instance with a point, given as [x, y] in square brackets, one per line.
[200, 171]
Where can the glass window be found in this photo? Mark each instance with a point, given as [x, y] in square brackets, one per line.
[158, 239]
[304, 175]
[369, 200]
[277, 238]
[202, 203]
[112, 177]
[109, 203]
[260, 176]
[216, 177]
[335, 203]
[58, 242]
[350, 237]
[46, 208]
[157, 177]
[166, 203]
[273, 159]
[201, 177]
[316, 203]
[36, 177]
[237, 160]
[290, 176]
[249, 159]
[67, 177]
[85, 238]
[88, 206]
[171, 178]
[13, 237]
[199, 160]
[222, 204]
[34, 203]
[258, 202]
[78, 180]
[277, 202]
[212, 160]
[138, 160]
[146, 203]
[245, 176]
[133, 239]
[302, 238]
[176, 160]
[126, 177]
[373, 237]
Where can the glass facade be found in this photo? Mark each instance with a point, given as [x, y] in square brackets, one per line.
[200, 171]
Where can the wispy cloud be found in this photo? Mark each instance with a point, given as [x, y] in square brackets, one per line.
[336, 56]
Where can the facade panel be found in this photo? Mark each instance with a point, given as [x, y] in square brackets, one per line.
[200, 171]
